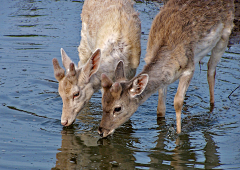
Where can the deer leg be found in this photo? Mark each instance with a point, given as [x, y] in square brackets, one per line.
[184, 82]
[161, 108]
[216, 55]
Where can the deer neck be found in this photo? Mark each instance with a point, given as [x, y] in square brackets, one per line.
[164, 69]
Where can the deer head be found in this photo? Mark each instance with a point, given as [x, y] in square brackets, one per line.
[120, 99]
[75, 86]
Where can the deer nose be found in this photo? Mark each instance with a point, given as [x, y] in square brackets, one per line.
[64, 123]
[100, 131]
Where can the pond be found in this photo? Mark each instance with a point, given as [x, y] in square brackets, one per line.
[31, 134]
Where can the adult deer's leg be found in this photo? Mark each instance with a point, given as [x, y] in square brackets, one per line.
[216, 55]
[161, 108]
[184, 82]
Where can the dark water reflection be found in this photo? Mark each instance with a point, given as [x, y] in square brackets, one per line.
[85, 151]
[31, 136]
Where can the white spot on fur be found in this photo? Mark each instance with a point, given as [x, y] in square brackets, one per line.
[187, 73]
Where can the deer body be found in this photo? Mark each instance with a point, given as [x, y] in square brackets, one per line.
[111, 32]
[181, 35]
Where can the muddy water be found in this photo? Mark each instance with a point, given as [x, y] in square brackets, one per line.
[31, 136]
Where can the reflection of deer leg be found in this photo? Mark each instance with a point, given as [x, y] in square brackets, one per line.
[210, 152]
[161, 108]
[177, 158]
[216, 55]
[184, 82]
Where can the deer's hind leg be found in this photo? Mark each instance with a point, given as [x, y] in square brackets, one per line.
[216, 55]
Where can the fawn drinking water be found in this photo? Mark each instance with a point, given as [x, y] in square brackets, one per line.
[111, 31]
[182, 33]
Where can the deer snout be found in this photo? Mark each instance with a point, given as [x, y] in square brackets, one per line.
[100, 132]
[67, 122]
[103, 132]
[64, 123]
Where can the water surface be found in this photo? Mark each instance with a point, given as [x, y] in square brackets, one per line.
[31, 135]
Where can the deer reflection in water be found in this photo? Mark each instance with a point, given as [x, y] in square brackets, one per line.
[83, 150]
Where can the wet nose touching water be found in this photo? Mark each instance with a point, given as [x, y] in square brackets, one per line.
[34, 134]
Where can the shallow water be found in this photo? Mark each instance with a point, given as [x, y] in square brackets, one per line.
[31, 135]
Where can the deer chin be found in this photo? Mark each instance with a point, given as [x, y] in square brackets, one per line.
[110, 133]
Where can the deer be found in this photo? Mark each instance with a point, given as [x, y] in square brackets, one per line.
[111, 31]
[181, 34]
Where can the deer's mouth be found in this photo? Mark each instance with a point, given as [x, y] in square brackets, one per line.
[103, 132]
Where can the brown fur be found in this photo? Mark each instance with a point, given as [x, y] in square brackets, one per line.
[198, 15]
[182, 33]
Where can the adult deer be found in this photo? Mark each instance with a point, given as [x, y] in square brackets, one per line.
[112, 26]
[181, 35]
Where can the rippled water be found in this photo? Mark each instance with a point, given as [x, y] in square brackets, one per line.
[31, 136]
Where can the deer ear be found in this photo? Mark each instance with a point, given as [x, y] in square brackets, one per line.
[58, 71]
[119, 71]
[65, 59]
[92, 65]
[138, 85]
[105, 81]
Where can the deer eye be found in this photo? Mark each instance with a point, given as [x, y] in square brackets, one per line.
[117, 109]
[76, 94]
